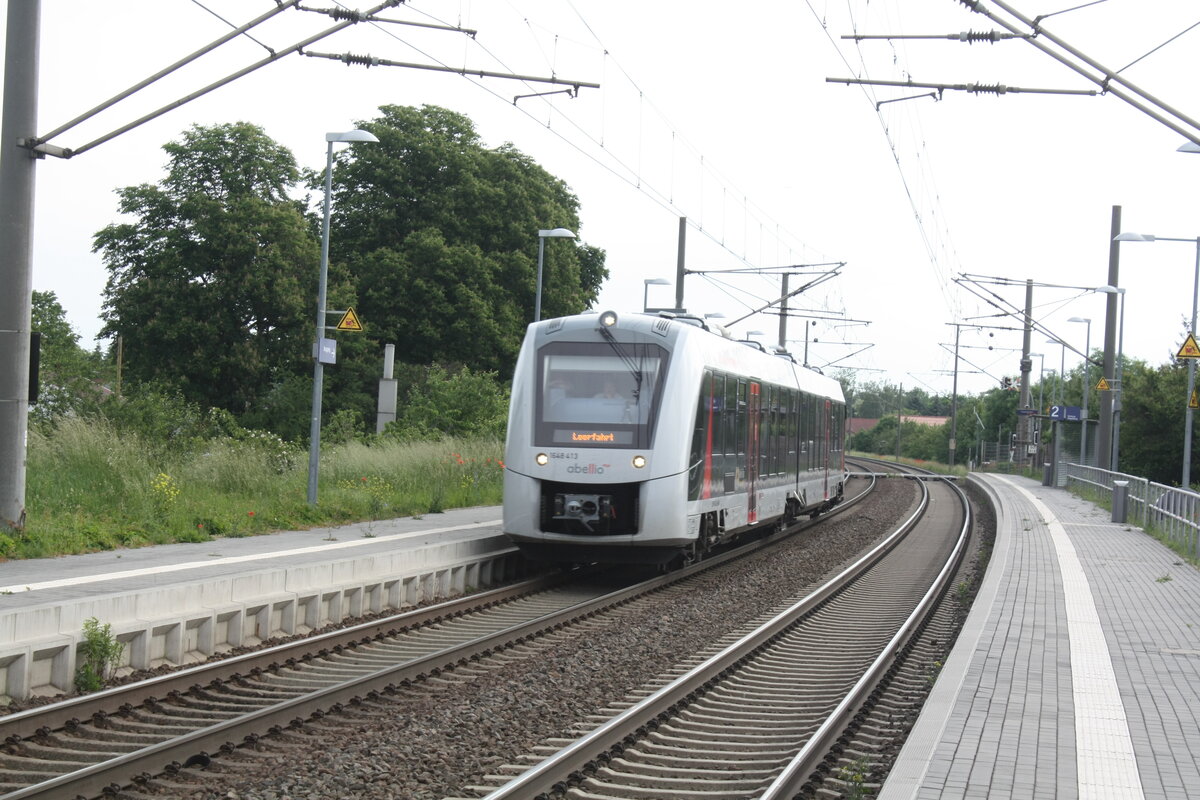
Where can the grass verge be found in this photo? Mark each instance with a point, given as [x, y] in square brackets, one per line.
[91, 488]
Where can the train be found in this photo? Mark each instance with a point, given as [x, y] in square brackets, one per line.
[646, 438]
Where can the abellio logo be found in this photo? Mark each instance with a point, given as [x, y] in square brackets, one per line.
[588, 469]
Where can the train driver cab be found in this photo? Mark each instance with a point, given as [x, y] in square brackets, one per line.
[598, 394]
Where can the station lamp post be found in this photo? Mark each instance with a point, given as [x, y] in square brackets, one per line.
[314, 435]
[1115, 456]
[556, 233]
[1059, 402]
[1087, 357]
[1059, 395]
[1041, 368]
[646, 290]
[1187, 425]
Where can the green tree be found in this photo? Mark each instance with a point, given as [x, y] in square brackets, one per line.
[1153, 408]
[462, 403]
[440, 234]
[70, 379]
[210, 284]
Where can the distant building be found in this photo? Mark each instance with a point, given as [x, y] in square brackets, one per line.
[933, 422]
[859, 424]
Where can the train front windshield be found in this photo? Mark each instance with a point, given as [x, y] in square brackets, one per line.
[596, 394]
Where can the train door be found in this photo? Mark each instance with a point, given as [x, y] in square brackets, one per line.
[754, 405]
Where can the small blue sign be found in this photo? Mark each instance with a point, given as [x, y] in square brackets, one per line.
[1066, 413]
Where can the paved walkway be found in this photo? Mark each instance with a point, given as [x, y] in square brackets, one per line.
[1078, 673]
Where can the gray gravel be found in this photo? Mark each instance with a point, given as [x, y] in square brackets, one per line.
[433, 743]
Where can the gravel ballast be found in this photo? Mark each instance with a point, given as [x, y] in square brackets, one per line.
[433, 742]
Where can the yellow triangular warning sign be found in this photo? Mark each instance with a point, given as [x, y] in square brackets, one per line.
[1102, 386]
[349, 321]
[1195, 401]
[1190, 349]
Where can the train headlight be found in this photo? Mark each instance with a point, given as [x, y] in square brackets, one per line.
[542, 459]
[608, 319]
[639, 461]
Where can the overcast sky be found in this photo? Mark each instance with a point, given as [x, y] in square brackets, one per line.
[720, 113]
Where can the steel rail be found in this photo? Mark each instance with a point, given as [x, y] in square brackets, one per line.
[805, 763]
[29, 722]
[550, 774]
[109, 775]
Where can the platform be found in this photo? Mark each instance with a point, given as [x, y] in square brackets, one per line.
[181, 603]
[1078, 672]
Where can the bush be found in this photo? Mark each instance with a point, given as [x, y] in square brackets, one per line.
[164, 417]
[465, 404]
[98, 656]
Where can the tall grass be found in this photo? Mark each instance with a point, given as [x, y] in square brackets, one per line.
[90, 487]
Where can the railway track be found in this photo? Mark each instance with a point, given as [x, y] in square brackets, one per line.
[760, 717]
[122, 737]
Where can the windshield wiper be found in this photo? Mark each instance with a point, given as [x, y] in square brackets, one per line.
[634, 367]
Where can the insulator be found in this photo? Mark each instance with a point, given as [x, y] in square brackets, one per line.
[345, 13]
[971, 37]
[982, 88]
[366, 61]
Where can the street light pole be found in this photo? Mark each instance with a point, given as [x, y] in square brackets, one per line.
[314, 433]
[1059, 398]
[556, 233]
[1186, 481]
[1036, 419]
[1115, 460]
[1187, 425]
[1041, 380]
[1087, 356]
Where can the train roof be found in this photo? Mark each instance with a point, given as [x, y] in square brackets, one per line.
[717, 342]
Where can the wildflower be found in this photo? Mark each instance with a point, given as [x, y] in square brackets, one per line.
[249, 513]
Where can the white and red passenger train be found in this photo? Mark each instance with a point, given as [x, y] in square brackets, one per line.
[649, 438]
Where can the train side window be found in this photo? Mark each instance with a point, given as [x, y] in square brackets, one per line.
[785, 399]
[839, 428]
[793, 432]
[822, 433]
[804, 433]
[764, 431]
[743, 417]
[700, 437]
[729, 416]
[773, 430]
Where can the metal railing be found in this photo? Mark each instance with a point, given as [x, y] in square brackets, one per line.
[1165, 509]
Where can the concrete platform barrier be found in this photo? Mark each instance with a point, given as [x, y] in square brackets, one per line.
[185, 623]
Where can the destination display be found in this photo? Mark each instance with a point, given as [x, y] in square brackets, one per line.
[574, 436]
